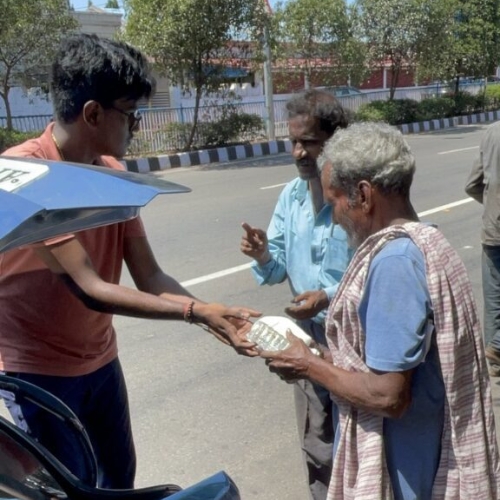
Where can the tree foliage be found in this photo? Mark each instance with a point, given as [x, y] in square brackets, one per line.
[112, 4]
[398, 32]
[29, 33]
[468, 45]
[316, 37]
[192, 41]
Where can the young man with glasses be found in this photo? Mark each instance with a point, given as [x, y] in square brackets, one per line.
[134, 117]
[57, 298]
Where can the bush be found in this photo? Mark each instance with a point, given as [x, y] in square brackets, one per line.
[139, 146]
[229, 127]
[395, 112]
[405, 111]
[465, 103]
[456, 104]
[178, 134]
[434, 108]
[369, 113]
[9, 138]
[399, 111]
[483, 102]
[493, 95]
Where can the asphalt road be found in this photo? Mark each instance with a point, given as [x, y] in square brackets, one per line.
[197, 407]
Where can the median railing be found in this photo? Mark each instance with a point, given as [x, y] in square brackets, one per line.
[27, 123]
[157, 135]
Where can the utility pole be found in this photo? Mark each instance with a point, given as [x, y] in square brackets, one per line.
[268, 82]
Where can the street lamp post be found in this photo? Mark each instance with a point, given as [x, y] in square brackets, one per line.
[268, 84]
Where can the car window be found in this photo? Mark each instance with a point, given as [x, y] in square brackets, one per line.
[22, 474]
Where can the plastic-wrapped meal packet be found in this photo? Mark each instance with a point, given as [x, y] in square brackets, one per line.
[269, 333]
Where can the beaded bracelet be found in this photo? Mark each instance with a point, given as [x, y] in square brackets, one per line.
[188, 312]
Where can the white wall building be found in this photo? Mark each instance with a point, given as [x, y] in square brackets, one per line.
[33, 102]
[102, 22]
[107, 22]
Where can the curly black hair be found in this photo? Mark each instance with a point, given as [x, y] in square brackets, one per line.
[321, 105]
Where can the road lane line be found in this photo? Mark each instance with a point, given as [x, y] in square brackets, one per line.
[213, 276]
[457, 150]
[244, 267]
[442, 208]
[274, 186]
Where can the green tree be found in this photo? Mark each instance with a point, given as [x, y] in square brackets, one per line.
[29, 33]
[112, 4]
[192, 41]
[396, 31]
[468, 45]
[316, 37]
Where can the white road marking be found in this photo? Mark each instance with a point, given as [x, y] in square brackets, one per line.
[244, 267]
[274, 186]
[457, 150]
[219, 274]
[442, 208]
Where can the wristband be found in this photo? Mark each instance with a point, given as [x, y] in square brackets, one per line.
[188, 312]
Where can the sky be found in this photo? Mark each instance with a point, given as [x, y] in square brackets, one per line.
[82, 4]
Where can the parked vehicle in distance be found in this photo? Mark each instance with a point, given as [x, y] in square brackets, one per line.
[465, 83]
[342, 90]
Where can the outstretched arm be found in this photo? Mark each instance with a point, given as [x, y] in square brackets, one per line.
[159, 296]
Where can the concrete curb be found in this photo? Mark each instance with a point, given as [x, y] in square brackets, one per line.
[206, 156]
[444, 123]
[241, 152]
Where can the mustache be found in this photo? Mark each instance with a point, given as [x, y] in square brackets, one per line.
[306, 163]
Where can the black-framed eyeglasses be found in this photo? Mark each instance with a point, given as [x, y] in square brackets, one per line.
[134, 117]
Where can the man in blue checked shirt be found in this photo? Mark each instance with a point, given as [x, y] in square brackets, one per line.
[305, 246]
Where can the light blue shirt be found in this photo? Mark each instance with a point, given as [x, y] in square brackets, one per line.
[309, 250]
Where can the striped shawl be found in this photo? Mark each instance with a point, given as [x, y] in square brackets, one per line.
[469, 464]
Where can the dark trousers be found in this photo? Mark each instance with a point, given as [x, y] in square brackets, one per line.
[314, 410]
[491, 295]
[100, 401]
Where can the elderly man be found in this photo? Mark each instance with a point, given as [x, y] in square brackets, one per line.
[407, 367]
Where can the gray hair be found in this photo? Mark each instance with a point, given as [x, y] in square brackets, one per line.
[371, 151]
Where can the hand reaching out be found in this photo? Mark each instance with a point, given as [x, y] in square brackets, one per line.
[309, 304]
[228, 324]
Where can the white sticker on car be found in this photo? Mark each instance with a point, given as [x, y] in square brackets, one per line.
[16, 174]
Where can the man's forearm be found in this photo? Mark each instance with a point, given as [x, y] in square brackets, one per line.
[387, 395]
[166, 287]
[115, 299]
[270, 273]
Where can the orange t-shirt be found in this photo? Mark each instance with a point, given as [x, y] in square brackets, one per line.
[44, 328]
